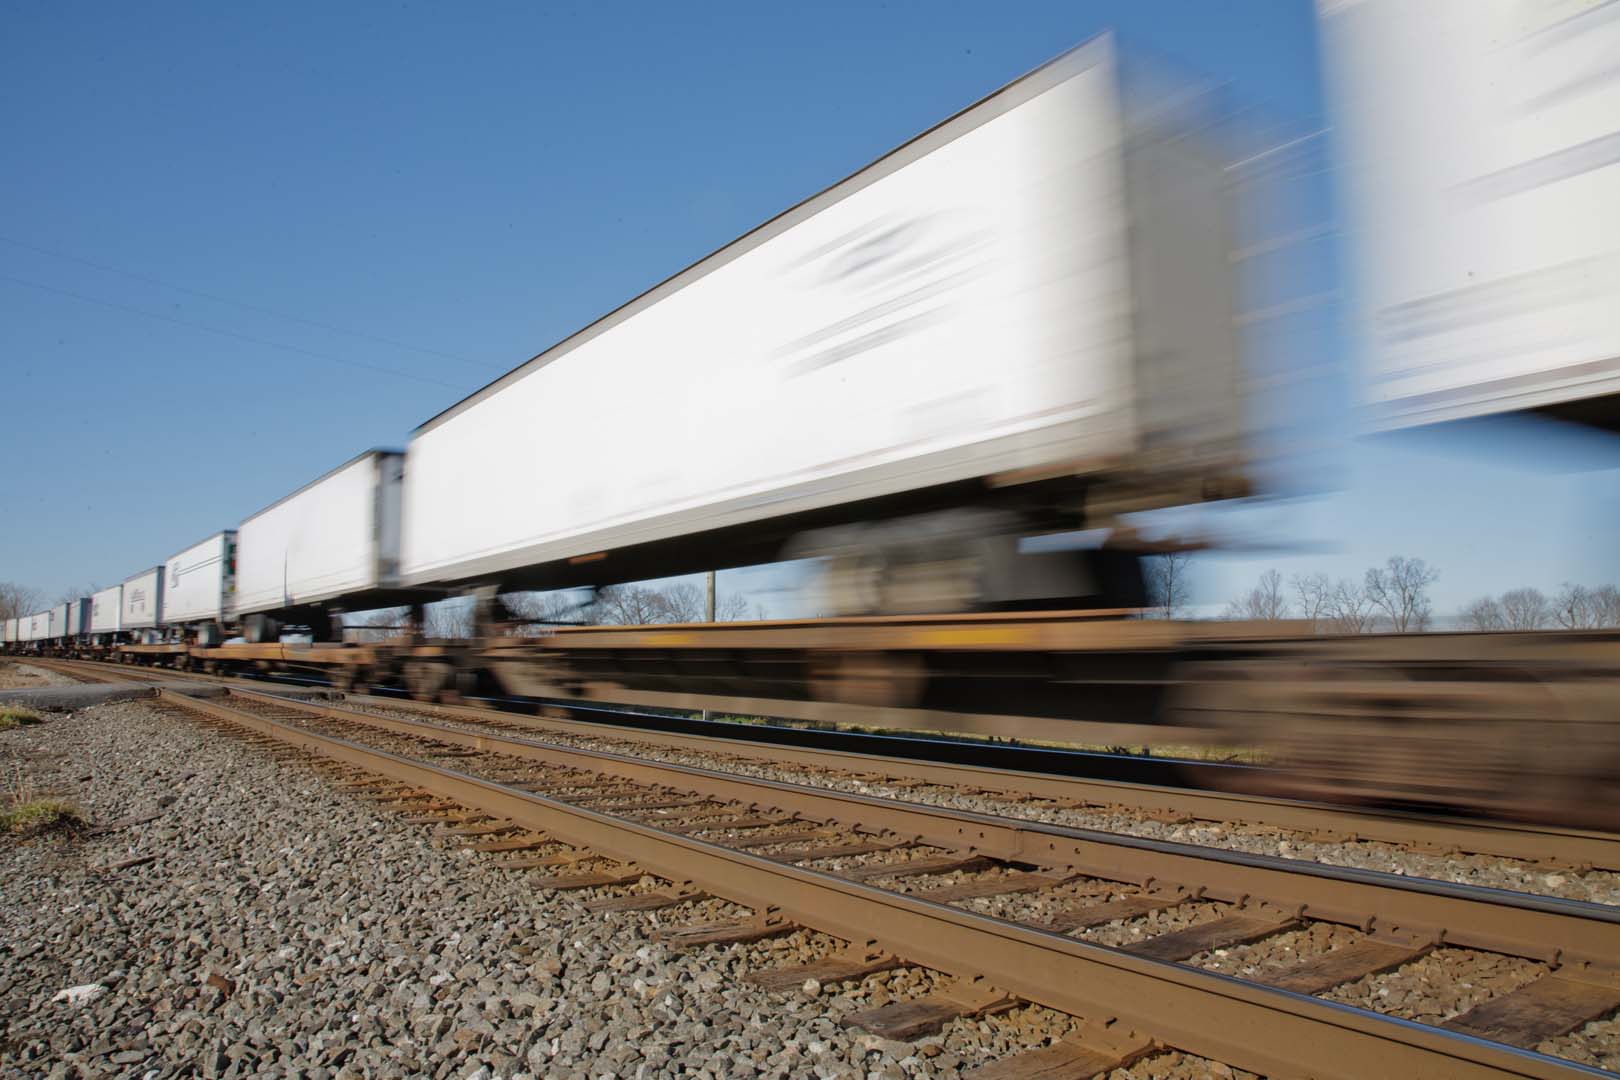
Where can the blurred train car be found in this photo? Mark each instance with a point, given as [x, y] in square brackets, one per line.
[1018, 322]
[106, 616]
[331, 546]
[199, 590]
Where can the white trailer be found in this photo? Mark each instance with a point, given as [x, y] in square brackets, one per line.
[199, 584]
[78, 617]
[39, 626]
[991, 298]
[58, 622]
[1479, 142]
[337, 536]
[105, 610]
[141, 604]
[10, 632]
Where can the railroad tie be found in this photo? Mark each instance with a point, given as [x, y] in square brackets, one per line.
[1006, 885]
[1239, 928]
[848, 964]
[782, 838]
[491, 829]
[907, 1020]
[945, 864]
[646, 901]
[835, 851]
[722, 824]
[726, 932]
[527, 842]
[1128, 907]
[1553, 1005]
[1375, 954]
[1092, 1051]
[588, 879]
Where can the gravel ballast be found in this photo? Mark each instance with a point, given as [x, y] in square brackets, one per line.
[282, 928]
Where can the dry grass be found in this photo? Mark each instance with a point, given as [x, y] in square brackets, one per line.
[15, 716]
[27, 812]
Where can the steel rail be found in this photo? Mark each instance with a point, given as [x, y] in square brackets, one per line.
[1553, 846]
[1248, 1025]
[1509, 839]
[1519, 924]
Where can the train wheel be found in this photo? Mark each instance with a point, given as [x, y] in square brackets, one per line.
[426, 679]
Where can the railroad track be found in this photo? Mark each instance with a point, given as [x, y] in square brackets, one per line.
[995, 905]
[1551, 848]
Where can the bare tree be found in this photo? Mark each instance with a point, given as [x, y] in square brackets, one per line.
[17, 600]
[548, 607]
[1168, 582]
[77, 592]
[1577, 607]
[1525, 609]
[449, 618]
[1400, 589]
[683, 603]
[1350, 610]
[1483, 614]
[1266, 601]
[1573, 608]
[630, 605]
[734, 607]
[1605, 601]
[1313, 593]
[381, 625]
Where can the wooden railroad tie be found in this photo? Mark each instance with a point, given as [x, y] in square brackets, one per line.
[906, 1020]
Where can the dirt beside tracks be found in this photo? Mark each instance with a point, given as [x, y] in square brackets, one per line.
[15, 675]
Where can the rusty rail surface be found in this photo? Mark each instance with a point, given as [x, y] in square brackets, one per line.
[1247, 1024]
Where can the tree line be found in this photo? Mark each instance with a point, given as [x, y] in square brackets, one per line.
[1572, 607]
[1392, 597]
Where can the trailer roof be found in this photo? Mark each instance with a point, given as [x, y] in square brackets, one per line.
[1022, 89]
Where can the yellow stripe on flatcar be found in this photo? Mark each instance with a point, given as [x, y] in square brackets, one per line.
[967, 637]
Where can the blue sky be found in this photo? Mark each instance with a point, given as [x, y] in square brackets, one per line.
[459, 187]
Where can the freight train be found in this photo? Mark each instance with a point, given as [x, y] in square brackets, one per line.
[1018, 323]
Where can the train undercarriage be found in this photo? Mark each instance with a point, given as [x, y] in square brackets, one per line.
[1518, 725]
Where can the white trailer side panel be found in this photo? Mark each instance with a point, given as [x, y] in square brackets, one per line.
[39, 626]
[75, 618]
[959, 308]
[199, 584]
[9, 633]
[59, 621]
[336, 536]
[1481, 141]
[105, 613]
[142, 600]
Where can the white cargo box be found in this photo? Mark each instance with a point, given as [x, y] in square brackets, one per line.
[141, 605]
[105, 613]
[199, 584]
[39, 626]
[59, 621]
[1479, 144]
[336, 536]
[77, 622]
[970, 304]
[10, 631]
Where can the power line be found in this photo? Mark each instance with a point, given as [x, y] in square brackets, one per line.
[256, 308]
[225, 333]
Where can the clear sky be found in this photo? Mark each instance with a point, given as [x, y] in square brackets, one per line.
[239, 244]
